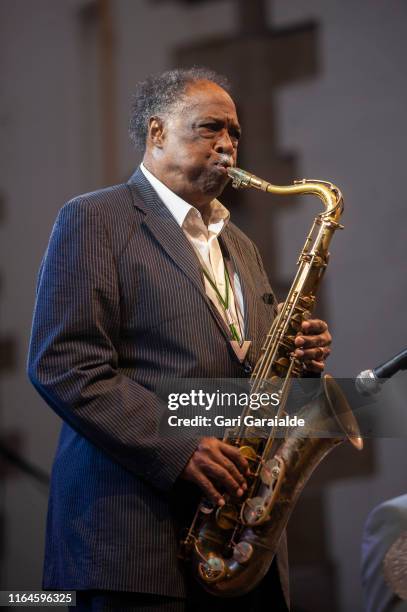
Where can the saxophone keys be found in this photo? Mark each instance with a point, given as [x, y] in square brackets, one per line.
[281, 365]
[253, 510]
[213, 569]
[248, 453]
[296, 321]
[275, 382]
[306, 314]
[307, 300]
[319, 262]
[206, 507]
[242, 552]
[226, 517]
[270, 472]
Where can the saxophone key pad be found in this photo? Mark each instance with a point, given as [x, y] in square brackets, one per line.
[270, 472]
[253, 509]
[206, 507]
[212, 569]
[242, 552]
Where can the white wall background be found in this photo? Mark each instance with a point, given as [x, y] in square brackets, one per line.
[348, 125]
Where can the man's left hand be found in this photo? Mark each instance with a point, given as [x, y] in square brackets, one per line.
[312, 344]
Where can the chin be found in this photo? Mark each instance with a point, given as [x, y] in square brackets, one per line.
[215, 185]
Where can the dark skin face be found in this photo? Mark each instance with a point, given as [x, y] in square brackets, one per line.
[189, 149]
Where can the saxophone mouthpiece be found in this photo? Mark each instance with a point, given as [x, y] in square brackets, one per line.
[239, 177]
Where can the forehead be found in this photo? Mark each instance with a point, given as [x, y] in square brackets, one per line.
[206, 98]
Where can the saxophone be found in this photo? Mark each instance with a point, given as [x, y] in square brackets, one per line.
[232, 547]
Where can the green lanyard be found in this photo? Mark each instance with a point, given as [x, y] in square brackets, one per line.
[224, 302]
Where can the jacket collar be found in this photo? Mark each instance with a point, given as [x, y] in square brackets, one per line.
[161, 223]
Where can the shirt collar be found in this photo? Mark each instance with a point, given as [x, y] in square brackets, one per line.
[180, 209]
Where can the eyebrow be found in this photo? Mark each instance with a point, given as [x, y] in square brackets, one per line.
[211, 118]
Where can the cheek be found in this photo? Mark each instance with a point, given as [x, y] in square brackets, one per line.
[182, 157]
[198, 154]
[196, 149]
[191, 156]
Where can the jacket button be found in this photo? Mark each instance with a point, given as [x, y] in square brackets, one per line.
[247, 368]
[268, 298]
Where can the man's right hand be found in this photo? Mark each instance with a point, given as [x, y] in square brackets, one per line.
[217, 468]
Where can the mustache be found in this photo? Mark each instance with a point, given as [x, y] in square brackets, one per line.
[225, 160]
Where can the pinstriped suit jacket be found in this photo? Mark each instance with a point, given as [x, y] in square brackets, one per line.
[120, 303]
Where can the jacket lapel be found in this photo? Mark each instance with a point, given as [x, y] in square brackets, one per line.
[170, 236]
[165, 229]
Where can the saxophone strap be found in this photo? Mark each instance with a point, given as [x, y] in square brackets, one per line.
[239, 346]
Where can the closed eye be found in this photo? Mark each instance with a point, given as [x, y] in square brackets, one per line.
[215, 127]
[235, 133]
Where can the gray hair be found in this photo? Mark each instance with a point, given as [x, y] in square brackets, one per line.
[159, 94]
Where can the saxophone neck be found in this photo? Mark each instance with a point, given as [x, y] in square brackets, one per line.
[328, 193]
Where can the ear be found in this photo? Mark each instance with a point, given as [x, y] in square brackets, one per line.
[156, 131]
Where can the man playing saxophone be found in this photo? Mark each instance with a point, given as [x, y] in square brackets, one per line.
[139, 281]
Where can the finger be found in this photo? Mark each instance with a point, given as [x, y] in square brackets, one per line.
[213, 451]
[314, 326]
[209, 490]
[217, 474]
[314, 366]
[195, 475]
[221, 452]
[317, 354]
[324, 339]
[236, 456]
[233, 471]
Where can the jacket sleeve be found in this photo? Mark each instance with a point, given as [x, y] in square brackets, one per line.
[73, 360]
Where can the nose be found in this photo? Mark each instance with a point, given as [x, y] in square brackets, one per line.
[224, 143]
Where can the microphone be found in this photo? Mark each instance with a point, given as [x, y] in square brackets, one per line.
[369, 382]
